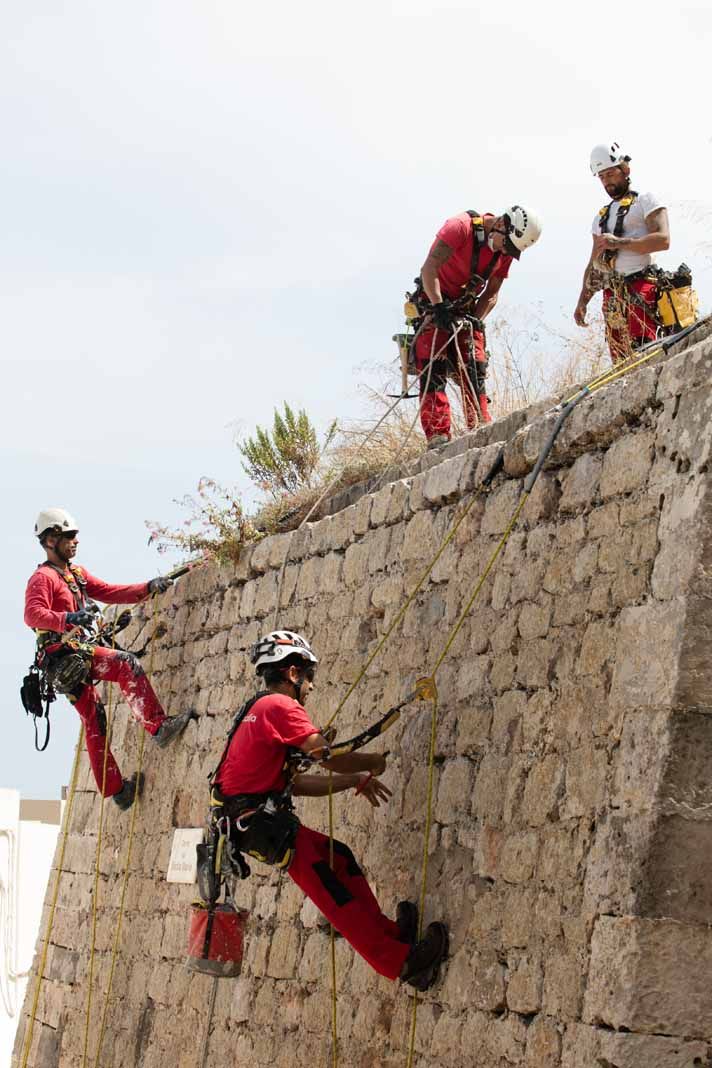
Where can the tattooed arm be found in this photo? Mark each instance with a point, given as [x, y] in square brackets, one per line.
[588, 288]
[657, 238]
[438, 255]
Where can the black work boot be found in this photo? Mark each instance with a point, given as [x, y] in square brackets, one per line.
[130, 790]
[172, 726]
[407, 921]
[422, 964]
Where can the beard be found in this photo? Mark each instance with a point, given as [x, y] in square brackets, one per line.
[618, 187]
[65, 552]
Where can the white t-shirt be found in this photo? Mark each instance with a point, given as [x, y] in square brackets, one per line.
[628, 262]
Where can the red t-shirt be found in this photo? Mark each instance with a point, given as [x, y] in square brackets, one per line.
[254, 760]
[48, 598]
[458, 234]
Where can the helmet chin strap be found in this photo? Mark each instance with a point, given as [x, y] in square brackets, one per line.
[297, 686]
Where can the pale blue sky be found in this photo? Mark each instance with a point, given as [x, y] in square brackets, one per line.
[210, 209]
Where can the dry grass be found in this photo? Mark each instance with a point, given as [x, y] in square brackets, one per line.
[522, 371]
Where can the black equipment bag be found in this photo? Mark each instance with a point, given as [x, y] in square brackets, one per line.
[37, 695]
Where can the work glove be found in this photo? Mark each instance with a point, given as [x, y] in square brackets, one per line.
[442, 315]
[160, 584]
[82, 618]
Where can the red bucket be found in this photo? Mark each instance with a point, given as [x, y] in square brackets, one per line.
[216, 939]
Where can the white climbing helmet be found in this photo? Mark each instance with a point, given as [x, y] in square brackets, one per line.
[605, 156]
[523, 228]
[49, 518]
[277, 646]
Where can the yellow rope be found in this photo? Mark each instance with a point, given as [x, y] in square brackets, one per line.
[409, 600]
[617, 371]
[127, 867]
[426, 846]
[480, 583]
[55, 893]
[117, 933]
[95, 894]
[332, 940]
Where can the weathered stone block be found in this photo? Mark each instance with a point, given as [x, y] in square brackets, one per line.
[592, 1047]
[442, 482]
[580, 486]
[454, 790]
[650, 976]
[519, 856]
[543, 790]
[639, 679]
[626, 464]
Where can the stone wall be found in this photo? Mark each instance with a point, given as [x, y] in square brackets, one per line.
[571, 850]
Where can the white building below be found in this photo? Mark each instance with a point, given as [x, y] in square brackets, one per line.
[28, 836]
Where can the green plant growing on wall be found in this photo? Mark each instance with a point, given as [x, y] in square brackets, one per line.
[286, 459]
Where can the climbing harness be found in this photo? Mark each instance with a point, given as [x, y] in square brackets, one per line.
[624, 205]
[417, 303]
[676, 302]
[260, 825]
[417, 307]
[63, 662]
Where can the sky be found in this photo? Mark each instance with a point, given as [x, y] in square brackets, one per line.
[211, 208]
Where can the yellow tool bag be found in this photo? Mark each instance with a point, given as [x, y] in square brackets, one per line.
[678, 307]
[677, 300]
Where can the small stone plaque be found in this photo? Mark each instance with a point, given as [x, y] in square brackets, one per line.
[182, 867]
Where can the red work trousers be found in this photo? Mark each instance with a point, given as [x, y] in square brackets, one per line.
[628, 325]
[112, 665]
[456, 360]
[345, 898]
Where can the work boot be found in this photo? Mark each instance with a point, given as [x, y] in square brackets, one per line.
[407, 922]
[484, 408]
[172, 726]
[130, 790]
[422, 965]
[437, 440]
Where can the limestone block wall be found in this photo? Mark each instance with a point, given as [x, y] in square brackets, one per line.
[571, 848]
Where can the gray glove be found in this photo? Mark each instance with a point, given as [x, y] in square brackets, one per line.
[82, 618]
[160, 584]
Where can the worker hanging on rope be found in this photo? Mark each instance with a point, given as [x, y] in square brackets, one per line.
[626, 233]
[457, 289]
[271, 736]
[58, 607]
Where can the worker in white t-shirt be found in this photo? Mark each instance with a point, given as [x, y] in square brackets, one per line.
[626, 232]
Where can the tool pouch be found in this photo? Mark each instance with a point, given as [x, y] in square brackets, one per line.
[678, 307]
[31, 693]
[269, 835]
[208, 871]
[37, 695]
[69, 669]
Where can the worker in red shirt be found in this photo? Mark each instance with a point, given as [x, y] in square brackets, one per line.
[57, 608]
[253, 790]
[627, 232]
[458, 288]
